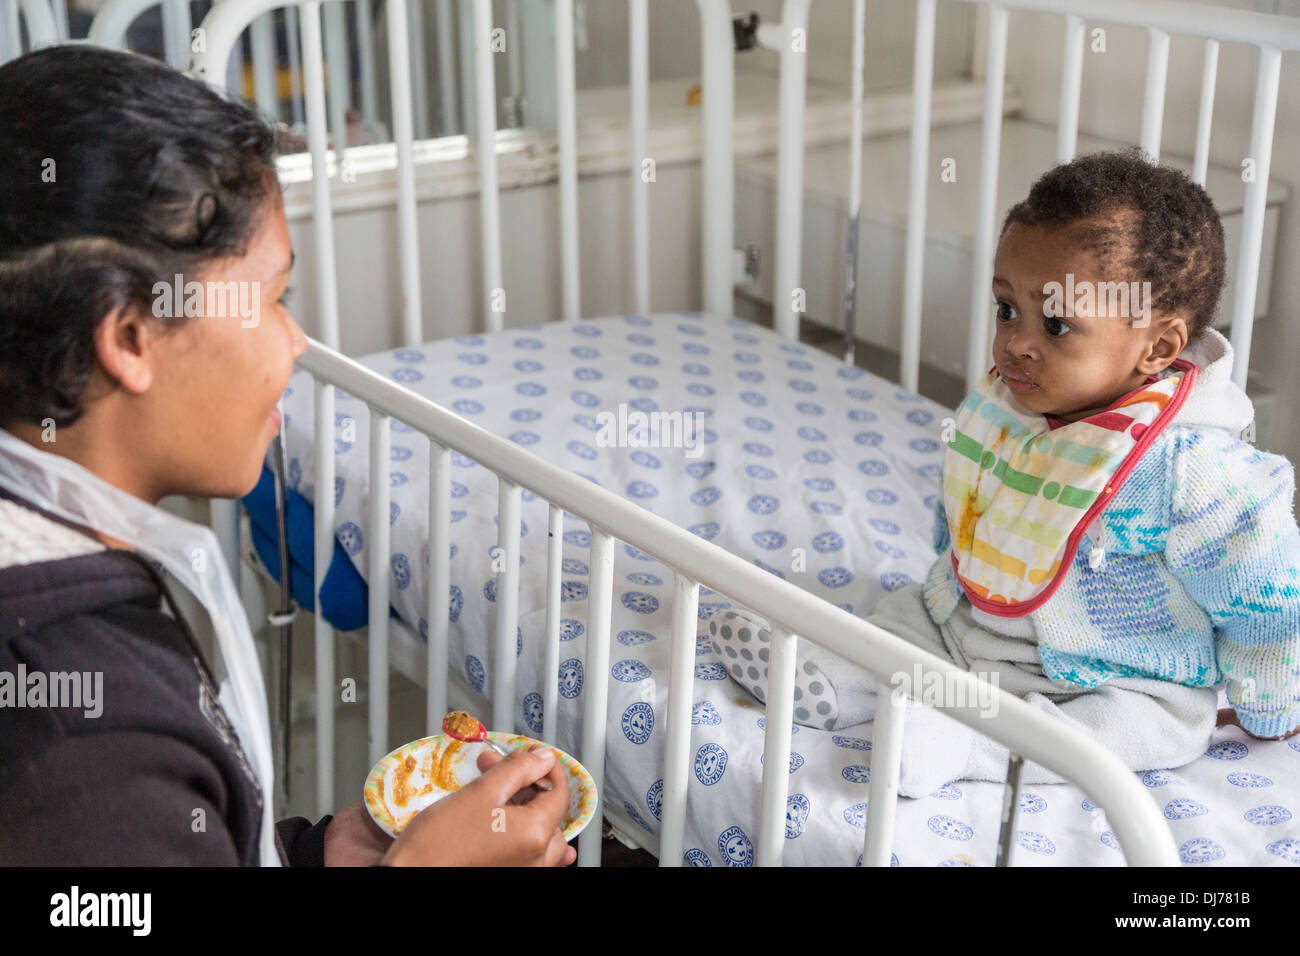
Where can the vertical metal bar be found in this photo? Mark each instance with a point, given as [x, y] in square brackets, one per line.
[595, 709]
[438, 600]
[1204, 117]
[717, 52]
[11, 34]
[551, 667]
[284, 610]
[681, 694]
[567, 134]
[447, 84]
[1067, 126]
[323, 633]
[59, 8]
[176, 32]
[340, 76]
[366, 50]
[224, 518]
[977, 357]
[293, 49]
[507, 623]
[789, 176]
[1252, 223]
[1153, 97]
[886, 761]
[489, 198]
[1010, 803]
[639, 86]
[407, 231]
[322, 220]
[776, 748]
[262, 34]
[378, 533]
[914, 257]
[855, 180]
[514, 90]
[420, 69]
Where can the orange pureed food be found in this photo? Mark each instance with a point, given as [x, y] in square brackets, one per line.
[460, 724]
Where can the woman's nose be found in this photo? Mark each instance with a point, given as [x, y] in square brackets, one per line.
[298, 337]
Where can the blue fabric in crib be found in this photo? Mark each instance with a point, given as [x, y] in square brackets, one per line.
[344, 594]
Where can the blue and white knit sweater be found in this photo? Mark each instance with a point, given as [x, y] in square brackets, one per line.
[1201, 578]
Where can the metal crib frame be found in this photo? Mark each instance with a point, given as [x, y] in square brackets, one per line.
[1027, 732]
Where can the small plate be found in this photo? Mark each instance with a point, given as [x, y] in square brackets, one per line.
[452, 769]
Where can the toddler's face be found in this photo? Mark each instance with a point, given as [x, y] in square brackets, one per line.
[1070, 366]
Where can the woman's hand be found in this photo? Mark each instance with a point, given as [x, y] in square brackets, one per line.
[496, 820]
[352, 838]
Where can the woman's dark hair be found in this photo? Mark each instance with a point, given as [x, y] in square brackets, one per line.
[1148, 222]
[116, 172]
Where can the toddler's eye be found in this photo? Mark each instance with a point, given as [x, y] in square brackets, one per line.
[1053, 325]
[1005, 312]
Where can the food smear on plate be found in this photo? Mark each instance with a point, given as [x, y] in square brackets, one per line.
[413, 784]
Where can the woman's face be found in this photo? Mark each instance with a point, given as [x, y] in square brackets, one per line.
[217, 377]
[1070, 366]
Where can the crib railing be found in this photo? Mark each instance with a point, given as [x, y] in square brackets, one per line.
[1026, 731]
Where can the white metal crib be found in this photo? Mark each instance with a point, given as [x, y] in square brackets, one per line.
[1027, 732]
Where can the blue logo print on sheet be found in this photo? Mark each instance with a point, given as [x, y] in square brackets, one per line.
[629, 671]
[945, 826]
[1227, 750]
[533, 712]
[1288, 849]
[735, 848]
[1184, 808]
[1201, 849]
[1252, 780]
[796, 815]
[697, 857]
[710, 764]
[571, 678]
[654, 799]
[1035, 843]
[474, 672]
[638, 722]
[1267, 816]
[705, 713]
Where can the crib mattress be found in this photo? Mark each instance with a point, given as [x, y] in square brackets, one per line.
[797, 452]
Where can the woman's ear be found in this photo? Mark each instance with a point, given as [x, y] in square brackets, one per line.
[125, 348]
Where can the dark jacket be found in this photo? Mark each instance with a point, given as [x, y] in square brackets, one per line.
[158, 777]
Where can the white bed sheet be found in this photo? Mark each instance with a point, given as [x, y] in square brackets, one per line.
[800, 452]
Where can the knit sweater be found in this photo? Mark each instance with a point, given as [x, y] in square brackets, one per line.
[1200, 580]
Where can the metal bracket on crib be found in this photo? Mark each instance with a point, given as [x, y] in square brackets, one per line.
[1010, 803]
[744, 27]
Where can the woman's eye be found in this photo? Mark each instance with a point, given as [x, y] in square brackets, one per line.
[1055, 327]
[1005, 312]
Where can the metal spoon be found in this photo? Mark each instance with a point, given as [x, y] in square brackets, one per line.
[481, 737]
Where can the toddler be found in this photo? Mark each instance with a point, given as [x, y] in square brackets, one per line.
[1110, 547]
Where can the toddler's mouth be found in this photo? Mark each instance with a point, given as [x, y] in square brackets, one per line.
[1016, 380]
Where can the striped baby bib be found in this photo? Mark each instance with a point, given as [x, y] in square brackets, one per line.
[1019, 495]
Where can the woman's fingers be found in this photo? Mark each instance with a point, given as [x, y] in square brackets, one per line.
[557, 851]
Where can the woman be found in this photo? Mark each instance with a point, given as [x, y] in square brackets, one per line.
[122, 181]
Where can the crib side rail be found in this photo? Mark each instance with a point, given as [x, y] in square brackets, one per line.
[791, 610]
